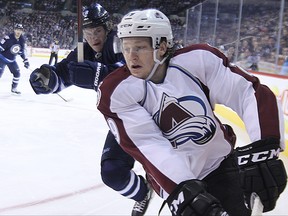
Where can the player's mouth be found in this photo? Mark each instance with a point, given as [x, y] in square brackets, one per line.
[135, 66]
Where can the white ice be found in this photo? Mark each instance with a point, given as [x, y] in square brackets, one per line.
[50, 154]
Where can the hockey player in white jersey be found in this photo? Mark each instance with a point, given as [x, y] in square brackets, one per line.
[160, 108]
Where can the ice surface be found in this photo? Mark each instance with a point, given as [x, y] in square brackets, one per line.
[50, 154]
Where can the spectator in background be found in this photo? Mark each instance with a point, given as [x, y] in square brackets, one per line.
[269, 48]
[54, 49]
[252, 60]
[245, 45]
[284, 69]
[230, 53]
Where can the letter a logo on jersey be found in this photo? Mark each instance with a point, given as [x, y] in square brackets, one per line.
[183, 120]
[176, 202]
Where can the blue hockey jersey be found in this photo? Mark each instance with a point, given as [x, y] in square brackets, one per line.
[10, 47]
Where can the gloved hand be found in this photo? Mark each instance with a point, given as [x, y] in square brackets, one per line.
[190, 198]
[44, 80]
[87, 74]
[26, 63]
[261, 171]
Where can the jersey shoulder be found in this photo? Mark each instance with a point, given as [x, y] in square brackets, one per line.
[203, 51]
[122, 87]
[5, 38]
[115, 78]
[197, 47]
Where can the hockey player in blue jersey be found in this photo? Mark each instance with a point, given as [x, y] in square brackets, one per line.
[99, 60]
[11, 46]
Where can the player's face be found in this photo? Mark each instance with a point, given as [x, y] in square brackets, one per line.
[138, 54]
[95, 37]
[18, 33]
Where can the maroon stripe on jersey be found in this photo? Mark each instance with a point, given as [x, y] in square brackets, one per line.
[107, 87]
[267, 111]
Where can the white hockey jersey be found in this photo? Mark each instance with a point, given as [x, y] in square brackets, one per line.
[170, 127]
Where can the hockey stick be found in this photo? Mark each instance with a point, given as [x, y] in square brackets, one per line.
[256, 204]
[80, 45]
[64, 99]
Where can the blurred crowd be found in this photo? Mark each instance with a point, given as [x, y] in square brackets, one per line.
[44, 21]
[259, 33]
[43, 25]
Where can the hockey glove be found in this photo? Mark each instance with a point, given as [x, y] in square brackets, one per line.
[26, 63]
[190, 198]
[87, 74]
[44, 80]
[261, 172]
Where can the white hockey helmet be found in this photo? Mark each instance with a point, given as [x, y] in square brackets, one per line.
[146, 23]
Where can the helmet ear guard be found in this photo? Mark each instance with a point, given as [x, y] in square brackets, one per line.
[146, 23]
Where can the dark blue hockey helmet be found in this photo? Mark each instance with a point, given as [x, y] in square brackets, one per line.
[18, 26]
[95, 15]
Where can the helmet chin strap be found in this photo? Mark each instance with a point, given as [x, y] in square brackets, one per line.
[157, 63]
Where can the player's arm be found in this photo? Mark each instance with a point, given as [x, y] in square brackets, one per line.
[233, 87]
[261, 170]
[2, 49]
[87, 74]
[22, 53]
[3, 44]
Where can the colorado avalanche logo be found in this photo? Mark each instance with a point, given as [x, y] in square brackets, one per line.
[179, 125]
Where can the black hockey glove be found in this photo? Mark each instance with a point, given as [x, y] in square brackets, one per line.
[26, 63]
[87, 74]
[190, 198]
[261, 172]
[44, 80]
